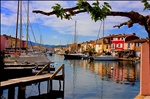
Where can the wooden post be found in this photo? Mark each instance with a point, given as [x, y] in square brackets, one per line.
[51, 85]
[1, 92]
[39, 88]
[145, 70]
[48, 86]
[59, 84]
[48, 68]
[21, 92]
[11, 93]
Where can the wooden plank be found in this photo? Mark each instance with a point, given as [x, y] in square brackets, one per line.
[33, 79]
[26, 80]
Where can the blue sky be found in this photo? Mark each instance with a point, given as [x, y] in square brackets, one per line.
[55, 31]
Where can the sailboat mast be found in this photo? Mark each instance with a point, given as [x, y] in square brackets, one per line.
[20, 25]
[103, 38]
[75, 38]
[17, 27]
[27, 26]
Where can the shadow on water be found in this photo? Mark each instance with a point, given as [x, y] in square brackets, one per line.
[51, 95]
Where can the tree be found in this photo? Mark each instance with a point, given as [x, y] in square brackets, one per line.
[100, 12]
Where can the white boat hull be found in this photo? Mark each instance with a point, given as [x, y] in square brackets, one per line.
[105, 58]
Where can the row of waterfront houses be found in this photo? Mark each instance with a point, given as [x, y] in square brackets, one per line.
[110, 43]
[10, 42]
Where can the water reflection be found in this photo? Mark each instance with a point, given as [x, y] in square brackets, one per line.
[86, 79]
[121, 72]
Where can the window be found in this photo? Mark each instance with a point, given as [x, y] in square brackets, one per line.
[128, 45]
[115, 39]
[119, 45]
[107, 46]
[137, 44]
[122, 38]
[112, 46]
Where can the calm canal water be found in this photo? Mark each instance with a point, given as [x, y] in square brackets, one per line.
[94, 80]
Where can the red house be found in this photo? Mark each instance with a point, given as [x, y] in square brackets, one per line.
[117, 40]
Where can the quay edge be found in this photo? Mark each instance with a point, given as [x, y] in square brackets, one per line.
[139, 96]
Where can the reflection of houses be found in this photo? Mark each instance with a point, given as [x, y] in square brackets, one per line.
[123, 72]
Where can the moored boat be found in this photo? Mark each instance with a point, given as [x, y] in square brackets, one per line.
[105, 58]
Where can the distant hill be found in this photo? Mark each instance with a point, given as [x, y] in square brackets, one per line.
[30, 43]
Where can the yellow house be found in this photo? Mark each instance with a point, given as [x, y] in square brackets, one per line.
[134, 45]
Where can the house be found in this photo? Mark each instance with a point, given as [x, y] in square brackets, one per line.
[3, 42]
[135, 45]
[117, 41]
[8, 42]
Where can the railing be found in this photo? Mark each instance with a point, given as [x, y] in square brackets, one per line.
[58, 70]
[46, 66]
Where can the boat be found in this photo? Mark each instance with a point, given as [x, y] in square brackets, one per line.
[25, 57]
[105, 57]
[75, 55]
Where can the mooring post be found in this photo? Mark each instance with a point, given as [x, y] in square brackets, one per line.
[39, 88]
[51, 85]
[48, 86]
[11, 93]
[21, 92]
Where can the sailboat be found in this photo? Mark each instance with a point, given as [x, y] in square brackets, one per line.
[28, 58]
[75, 55]
[104, 57]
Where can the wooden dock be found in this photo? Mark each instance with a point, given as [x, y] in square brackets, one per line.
[39, 77]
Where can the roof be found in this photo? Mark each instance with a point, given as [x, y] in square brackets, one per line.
[142, 40]
[119, 35]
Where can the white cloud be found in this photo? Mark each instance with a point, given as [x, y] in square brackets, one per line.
[85, 26]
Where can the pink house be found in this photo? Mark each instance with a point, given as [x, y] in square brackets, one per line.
[3, 42]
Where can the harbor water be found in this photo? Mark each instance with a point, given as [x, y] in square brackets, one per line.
[85, 79]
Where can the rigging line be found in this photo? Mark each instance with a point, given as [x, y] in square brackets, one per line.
[9, 28]
[36, 20]
[99, 31]
[20, 24]
[17, 26]
[31, 26]
[27, 26]
[30, 42]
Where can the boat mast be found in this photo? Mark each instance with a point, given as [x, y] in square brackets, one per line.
[20, 25]
[27, 28]
[103, 38]
[75, 39]
[17, 27]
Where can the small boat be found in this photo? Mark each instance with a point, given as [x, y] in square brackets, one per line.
[105, 58]
[76, 56]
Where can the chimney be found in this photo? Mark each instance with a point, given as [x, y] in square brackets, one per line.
[134, 33]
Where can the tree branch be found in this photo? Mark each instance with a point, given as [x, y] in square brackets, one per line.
[135, 17]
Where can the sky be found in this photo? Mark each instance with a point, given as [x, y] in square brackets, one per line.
[55, 31]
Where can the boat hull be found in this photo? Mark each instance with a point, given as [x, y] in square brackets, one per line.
[70, 56]
[105, 58]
